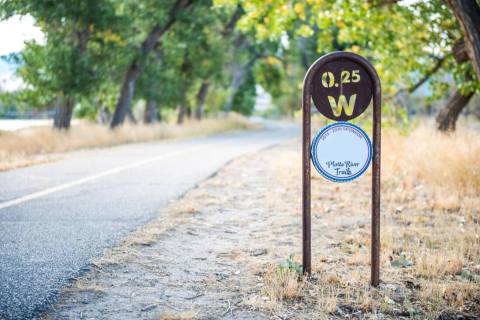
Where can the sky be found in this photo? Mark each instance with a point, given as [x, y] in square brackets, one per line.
[15, 31]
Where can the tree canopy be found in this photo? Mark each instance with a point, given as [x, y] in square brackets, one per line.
[107, 55]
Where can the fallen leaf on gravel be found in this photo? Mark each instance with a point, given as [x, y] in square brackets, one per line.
[258, 252]
[149, 307]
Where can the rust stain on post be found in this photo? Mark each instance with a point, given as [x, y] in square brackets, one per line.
[306, 215]
[377, 119]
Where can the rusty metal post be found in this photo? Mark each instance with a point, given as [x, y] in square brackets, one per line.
[306, 193]
[377, 120]
[306, 174]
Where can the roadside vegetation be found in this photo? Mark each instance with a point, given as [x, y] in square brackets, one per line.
[430, 236]
[40, 144]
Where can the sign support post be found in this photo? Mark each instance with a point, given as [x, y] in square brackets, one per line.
[377, 119]
[336, 59]
[306, 178]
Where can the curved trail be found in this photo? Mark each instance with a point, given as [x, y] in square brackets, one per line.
[55, 218]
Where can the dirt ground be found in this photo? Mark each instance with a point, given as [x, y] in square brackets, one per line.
[230, 249]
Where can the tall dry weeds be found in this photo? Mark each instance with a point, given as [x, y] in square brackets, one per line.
[430, 243]
[282, 284]
[426, 156]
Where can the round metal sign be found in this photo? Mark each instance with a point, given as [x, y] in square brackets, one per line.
[341, 152]
[342, 89]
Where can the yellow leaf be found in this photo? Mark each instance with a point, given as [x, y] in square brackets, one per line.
[305, 31]
[299, 8]
[355, 49]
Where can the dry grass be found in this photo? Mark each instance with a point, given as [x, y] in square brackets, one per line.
[430, 226]
[439, 160]
[434, 179]
[84, 286]
[36, 145]
[282, 284]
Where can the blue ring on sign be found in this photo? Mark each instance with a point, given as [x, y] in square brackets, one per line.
[319, 168]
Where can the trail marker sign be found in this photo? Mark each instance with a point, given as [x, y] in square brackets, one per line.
[342, 89]
[341, 152]
[342, 85]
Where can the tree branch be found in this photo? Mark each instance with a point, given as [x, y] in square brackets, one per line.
[239, 12]
[157, 31]
[419, 83]
[426, 76]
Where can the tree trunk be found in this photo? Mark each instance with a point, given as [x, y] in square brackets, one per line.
[136, 67]
[126, 95]
[131, 117]
[447, 118]
[238, 78]
[467, 13]
[302, 46]
[104, 116]
[201, 97]
[151, 112]
[240, 41]
[63, 113]
[182, 111]
[64, 105]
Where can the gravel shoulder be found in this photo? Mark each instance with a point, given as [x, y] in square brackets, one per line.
[198, 259]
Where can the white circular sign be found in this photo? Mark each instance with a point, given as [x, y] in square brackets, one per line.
[341, 152]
